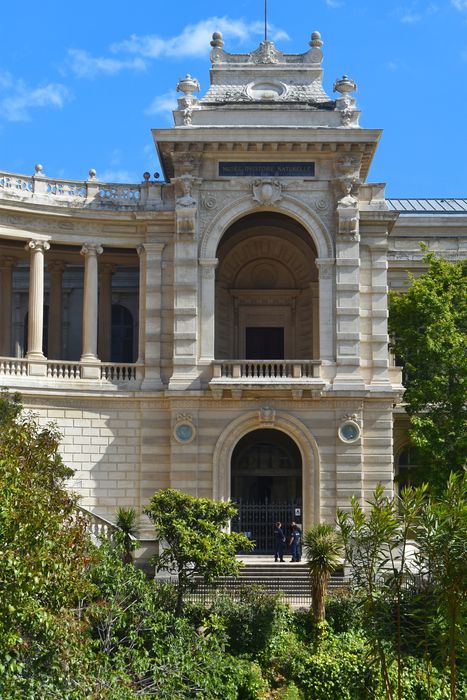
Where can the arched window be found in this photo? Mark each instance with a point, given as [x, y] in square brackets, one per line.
[121, 344]
[45, 332]
[405, 468]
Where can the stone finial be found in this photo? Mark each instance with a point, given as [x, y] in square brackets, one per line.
[316, 41]
[345, 85]
[92, 174]
[146, 176]
[217, 41]
[38, 169]
[188, 85]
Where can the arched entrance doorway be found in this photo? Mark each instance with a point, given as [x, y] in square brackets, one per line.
[266, 485]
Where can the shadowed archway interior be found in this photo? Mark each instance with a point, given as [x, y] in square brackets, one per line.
[266, 474]
[266, 290]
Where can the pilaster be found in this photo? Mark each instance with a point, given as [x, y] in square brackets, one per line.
[150, 255]
[105, 311]
[56, 269]
[185, 351]
[207, 308]
[7, 263]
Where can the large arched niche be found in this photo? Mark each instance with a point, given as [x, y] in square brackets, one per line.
[289, 207]
[266, 290]
[275, 420]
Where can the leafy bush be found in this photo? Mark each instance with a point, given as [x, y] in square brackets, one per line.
[343, 612]
[252, 620]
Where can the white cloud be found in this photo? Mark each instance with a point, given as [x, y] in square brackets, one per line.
[163, 104]
[409, 17]
[19, 99]
[117, 175]
[84, 65]
[334, 3]
[459, 4]
[195, 39]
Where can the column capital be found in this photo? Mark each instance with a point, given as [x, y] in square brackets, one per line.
[150, 248]
[92, 249]
[325, 266]
[208, 266]
[35, 245]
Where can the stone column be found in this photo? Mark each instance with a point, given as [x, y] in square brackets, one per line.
[150, 255]
[105, 311]
[6, 268]
[90, 251]
[56, 269]
[36, 306]
[207, 310]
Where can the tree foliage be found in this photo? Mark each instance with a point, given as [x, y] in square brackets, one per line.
[197, 542]
[44, 548]
[428, 324]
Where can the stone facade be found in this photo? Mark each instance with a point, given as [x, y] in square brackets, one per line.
[135, 316]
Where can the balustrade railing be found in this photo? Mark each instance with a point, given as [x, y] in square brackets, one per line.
[56, 370]
[120, 372]
[89, 193]
[13, 367]
[63, 370]
[261, 370]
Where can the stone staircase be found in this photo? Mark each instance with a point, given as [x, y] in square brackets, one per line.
[289, 579]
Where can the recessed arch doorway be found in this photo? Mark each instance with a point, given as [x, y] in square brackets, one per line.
[266, 484]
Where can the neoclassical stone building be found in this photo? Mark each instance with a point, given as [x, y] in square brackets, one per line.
[223, 332]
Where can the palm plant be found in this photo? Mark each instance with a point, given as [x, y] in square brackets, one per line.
[126, 521]
[323, 550]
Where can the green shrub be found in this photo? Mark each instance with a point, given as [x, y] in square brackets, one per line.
[343, 612]
[252, 684]
[252, 620]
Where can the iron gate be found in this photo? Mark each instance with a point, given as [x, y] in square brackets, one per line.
[257, 521]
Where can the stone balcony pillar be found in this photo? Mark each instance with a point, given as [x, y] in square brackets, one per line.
[36, 306]
[56, 269]
[105, 311]
[7, 263]
[90, 251]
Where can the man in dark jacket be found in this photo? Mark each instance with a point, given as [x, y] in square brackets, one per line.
[295, 537]
[279, 540]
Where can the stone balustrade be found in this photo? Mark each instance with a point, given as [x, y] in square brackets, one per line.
[108, 375]
[265, 370]
[81, 193]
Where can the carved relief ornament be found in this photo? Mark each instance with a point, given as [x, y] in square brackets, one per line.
[267, 192]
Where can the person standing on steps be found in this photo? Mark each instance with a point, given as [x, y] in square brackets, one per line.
[279, 540]
[294, 542]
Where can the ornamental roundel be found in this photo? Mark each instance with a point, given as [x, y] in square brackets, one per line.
[349, 431]
[184, 430]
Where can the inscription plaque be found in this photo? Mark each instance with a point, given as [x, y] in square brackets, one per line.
[270, 169]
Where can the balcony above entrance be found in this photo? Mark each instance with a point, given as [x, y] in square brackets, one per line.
[241, 377]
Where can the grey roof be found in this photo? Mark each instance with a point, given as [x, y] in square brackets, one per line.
[428, 206]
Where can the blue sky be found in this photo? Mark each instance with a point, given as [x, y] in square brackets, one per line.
[81, 84]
